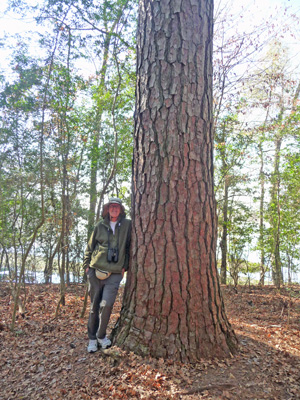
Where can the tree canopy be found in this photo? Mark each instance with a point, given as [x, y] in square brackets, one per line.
[66, 117]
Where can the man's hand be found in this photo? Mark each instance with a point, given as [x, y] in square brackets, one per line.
[87, 270]
[123, 272]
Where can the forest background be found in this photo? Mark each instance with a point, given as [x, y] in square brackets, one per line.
[66, 112]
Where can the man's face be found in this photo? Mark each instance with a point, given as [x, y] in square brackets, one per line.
[114, 211]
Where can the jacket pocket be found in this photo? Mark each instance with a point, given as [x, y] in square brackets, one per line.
[99, 256]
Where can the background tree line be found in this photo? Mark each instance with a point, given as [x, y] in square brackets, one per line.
[66, 112]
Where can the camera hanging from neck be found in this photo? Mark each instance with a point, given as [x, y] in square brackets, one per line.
[113, 253]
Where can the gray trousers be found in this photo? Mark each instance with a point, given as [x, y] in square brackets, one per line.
[103, 295]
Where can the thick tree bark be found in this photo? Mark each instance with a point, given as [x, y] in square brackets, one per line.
[172, 305]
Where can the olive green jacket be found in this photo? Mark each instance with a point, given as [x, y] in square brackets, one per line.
[95, 255]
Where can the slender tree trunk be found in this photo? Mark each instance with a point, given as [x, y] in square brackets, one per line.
[41, 179]
[289, 268]
[16, 291]
[261, 215]
[112, 173]
[223, 244]
[172, 305]
[7, 264]
[275, 197]
[48, 277]
[93, 184]
[63, 239]
[96, 137]
[48, 270]
[1, 261]
[275, 217]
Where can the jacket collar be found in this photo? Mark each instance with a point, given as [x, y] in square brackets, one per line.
[106, 220]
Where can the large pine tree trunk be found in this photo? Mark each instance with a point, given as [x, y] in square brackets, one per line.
[172, 304]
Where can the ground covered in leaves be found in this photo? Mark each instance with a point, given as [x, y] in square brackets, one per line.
[46, 358]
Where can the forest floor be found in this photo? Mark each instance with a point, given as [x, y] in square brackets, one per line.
[46, 358]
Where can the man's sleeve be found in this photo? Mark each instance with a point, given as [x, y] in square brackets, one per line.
[127, 248]
[89, 250]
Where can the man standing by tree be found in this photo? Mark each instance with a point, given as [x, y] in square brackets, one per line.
[105, 261]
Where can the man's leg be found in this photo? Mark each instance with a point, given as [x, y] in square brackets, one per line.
[109, 295]
[96, 290]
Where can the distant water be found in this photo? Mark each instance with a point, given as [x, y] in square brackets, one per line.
[38, 277]
[255, 277]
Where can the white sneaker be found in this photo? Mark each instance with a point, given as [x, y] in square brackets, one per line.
[92, 346]
[104, 343]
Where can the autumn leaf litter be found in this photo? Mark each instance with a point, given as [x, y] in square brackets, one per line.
[46, 357]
